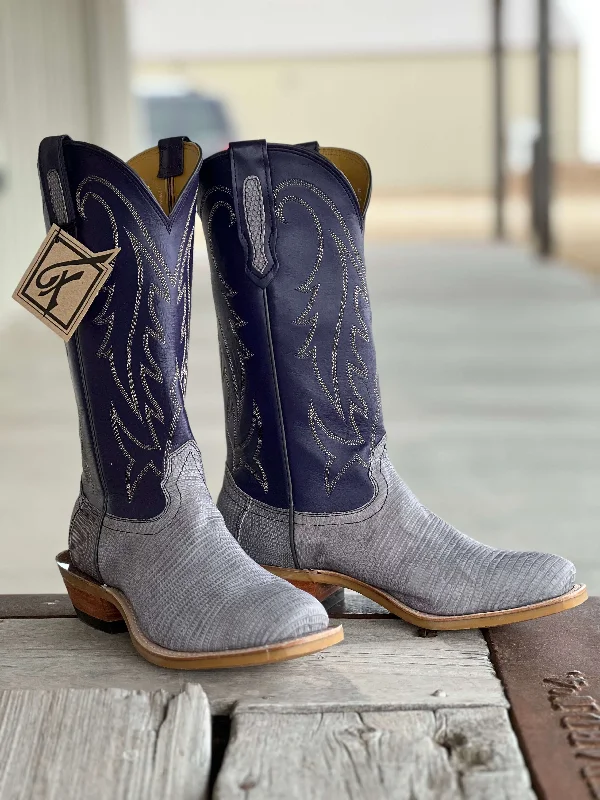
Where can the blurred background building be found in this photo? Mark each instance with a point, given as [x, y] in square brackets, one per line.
[407, 83]
[490, 362]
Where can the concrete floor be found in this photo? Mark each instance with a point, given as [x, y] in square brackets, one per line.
[490, 372]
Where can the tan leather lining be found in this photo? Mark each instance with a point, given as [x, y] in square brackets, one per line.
[166, 190]
[355, 168]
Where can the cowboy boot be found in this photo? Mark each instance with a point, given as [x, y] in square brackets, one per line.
[309, 490]
[147, 546]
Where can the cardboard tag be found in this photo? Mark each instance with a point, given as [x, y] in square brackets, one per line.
[62, 281]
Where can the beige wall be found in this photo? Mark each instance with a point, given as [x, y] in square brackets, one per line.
[423, 121]
[521, 81]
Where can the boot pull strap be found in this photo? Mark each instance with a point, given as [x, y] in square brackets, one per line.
[313, 146]
[56, 192]
[254, 210]
[170, 158]
[171, 165]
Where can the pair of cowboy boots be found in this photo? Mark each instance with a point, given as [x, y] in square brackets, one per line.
[309, 493]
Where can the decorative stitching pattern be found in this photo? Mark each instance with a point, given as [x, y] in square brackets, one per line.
[184, 292]
[211, 191]
[291, 182]
[154, 282]
[57, 197]
[254, 211]
[80, 201]
[348, 254]
[234, 355]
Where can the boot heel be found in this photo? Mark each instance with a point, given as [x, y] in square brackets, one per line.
[326, 593]
[95, 611]
[329, 594]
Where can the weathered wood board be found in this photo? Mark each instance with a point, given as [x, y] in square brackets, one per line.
[104, 744]
[382, 663]
[471, 754]
[32, 606]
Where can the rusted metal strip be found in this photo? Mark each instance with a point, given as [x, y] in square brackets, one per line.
[550, 669]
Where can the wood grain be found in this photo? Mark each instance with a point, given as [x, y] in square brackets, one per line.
[471, 754]
[104, 744]
[34, 606]
[381, 663]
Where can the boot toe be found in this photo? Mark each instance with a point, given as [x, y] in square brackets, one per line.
[299, 615]
[267, 615]
[525, 578]
[502, 580]
[554, 577]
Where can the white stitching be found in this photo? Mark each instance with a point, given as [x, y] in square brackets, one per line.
[180, 278]
[233, 369]
[357, 404]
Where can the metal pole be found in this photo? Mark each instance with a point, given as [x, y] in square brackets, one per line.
[499, 119]
[543, 172]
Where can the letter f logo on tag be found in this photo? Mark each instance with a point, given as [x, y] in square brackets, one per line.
[55, 282]
[63, 280]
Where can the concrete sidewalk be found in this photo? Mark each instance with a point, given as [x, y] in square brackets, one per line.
[490, 372]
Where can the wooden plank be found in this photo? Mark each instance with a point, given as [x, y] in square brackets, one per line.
[104, 744]
[399, 755]
[382, 663]
[35, 606]
[551, 671]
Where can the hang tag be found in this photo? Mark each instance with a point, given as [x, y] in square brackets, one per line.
[62, 281]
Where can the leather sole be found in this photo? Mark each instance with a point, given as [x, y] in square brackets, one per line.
[488, 619]
[108, 609]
